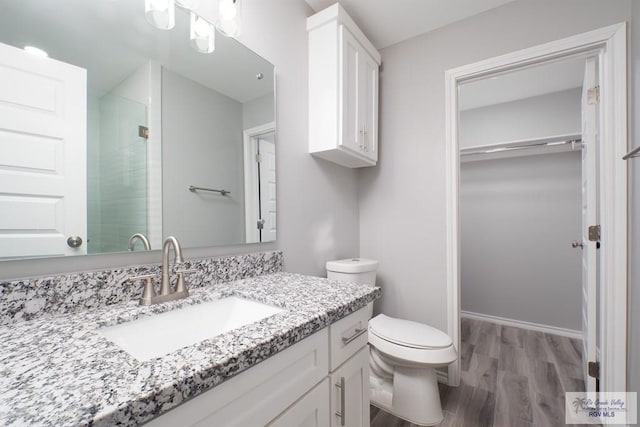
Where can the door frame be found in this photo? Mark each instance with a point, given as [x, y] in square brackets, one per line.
[610, 44]
[251, 195]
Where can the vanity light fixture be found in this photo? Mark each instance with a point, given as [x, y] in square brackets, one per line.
[229, 18]
[36, 51]
[189, 4]
[203, 35]
[160, 13]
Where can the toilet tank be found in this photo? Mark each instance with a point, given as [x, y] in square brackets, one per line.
[358, 270]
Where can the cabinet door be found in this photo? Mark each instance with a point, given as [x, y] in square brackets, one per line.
[350, 392]
[369, 105]
[312, 410]
[350, 83]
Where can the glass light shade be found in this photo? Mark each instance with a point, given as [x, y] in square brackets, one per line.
[160, 13]
[203, 35]
[189, 4]
[230, 18]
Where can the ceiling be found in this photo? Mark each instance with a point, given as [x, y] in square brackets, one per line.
[387, 22]
[111, 39]
[526, 83]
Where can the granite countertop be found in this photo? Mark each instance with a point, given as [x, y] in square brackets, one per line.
[58, 370]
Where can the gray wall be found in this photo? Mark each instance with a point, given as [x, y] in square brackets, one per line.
[402, 201]
[258, 111]
[517, 218]
[536, 117]
[317, 201]
[634, 211]
[202, 143]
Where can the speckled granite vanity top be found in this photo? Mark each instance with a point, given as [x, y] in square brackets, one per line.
[58, 370]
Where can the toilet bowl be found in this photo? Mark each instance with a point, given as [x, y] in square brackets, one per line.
[403, 355]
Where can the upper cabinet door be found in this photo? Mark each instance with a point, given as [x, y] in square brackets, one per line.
[350, 79]
[369, 106]
[343, 90]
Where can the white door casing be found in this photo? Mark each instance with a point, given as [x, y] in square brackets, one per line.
[609, 43]
[251, 177]
[42, 155]
[267, 150]
[589, 218]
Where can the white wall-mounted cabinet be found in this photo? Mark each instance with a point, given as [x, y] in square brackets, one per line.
[296, 387]
[343, 90]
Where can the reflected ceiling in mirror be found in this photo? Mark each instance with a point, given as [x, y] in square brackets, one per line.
[109, 135]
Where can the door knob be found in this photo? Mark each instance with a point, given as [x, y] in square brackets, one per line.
[74, 241]
[576, 244]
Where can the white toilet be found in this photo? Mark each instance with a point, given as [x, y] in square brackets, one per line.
[403, 355]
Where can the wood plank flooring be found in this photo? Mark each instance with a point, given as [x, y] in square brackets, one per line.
[511, 377]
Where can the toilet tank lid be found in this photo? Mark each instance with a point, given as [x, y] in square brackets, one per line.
[352, 265]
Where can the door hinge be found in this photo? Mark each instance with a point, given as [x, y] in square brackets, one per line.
[143, 132]
[594, 369]
[594, 233]
[258, 158]
[593, 95]
[260, 224]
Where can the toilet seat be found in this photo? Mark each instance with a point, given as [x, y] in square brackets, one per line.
[409, 334]
[410, 344]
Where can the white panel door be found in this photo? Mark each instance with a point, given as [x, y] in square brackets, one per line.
[267, 148]
[42, 155]
[589, 217]
[350, 392]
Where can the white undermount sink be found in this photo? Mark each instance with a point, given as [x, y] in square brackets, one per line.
[159, 334]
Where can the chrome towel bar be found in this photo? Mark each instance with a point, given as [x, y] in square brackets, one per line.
[193, 189]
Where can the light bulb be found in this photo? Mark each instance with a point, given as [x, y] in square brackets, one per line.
[229, 18]
[160, 13]
[201, 27]
[202, 35]
[228, 9]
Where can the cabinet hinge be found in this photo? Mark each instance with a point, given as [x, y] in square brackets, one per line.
[143, 132]
[594, 369]
[593, 95]
[258, 158]
[594, 233]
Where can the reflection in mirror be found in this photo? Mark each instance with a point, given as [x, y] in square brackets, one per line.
[103, 138]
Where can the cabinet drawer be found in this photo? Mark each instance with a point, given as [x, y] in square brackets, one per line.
[348, 335]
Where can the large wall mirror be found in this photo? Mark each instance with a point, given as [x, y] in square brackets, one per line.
[125, 130]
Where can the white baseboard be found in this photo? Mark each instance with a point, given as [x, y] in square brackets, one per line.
[524, 325]
[443, 377]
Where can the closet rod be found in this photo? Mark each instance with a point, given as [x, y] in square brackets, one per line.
[499, 149]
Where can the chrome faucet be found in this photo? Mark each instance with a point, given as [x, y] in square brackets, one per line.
[142, 238]
[167, 293]
[165, 284]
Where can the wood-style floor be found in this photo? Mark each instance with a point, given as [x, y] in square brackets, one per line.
[511, 377]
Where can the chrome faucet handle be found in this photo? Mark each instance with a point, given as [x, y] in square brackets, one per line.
[181, 284]
[149, 290]
[187, 271]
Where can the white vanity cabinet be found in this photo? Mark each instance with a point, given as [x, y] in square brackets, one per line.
[320, 381]
[343, 90]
